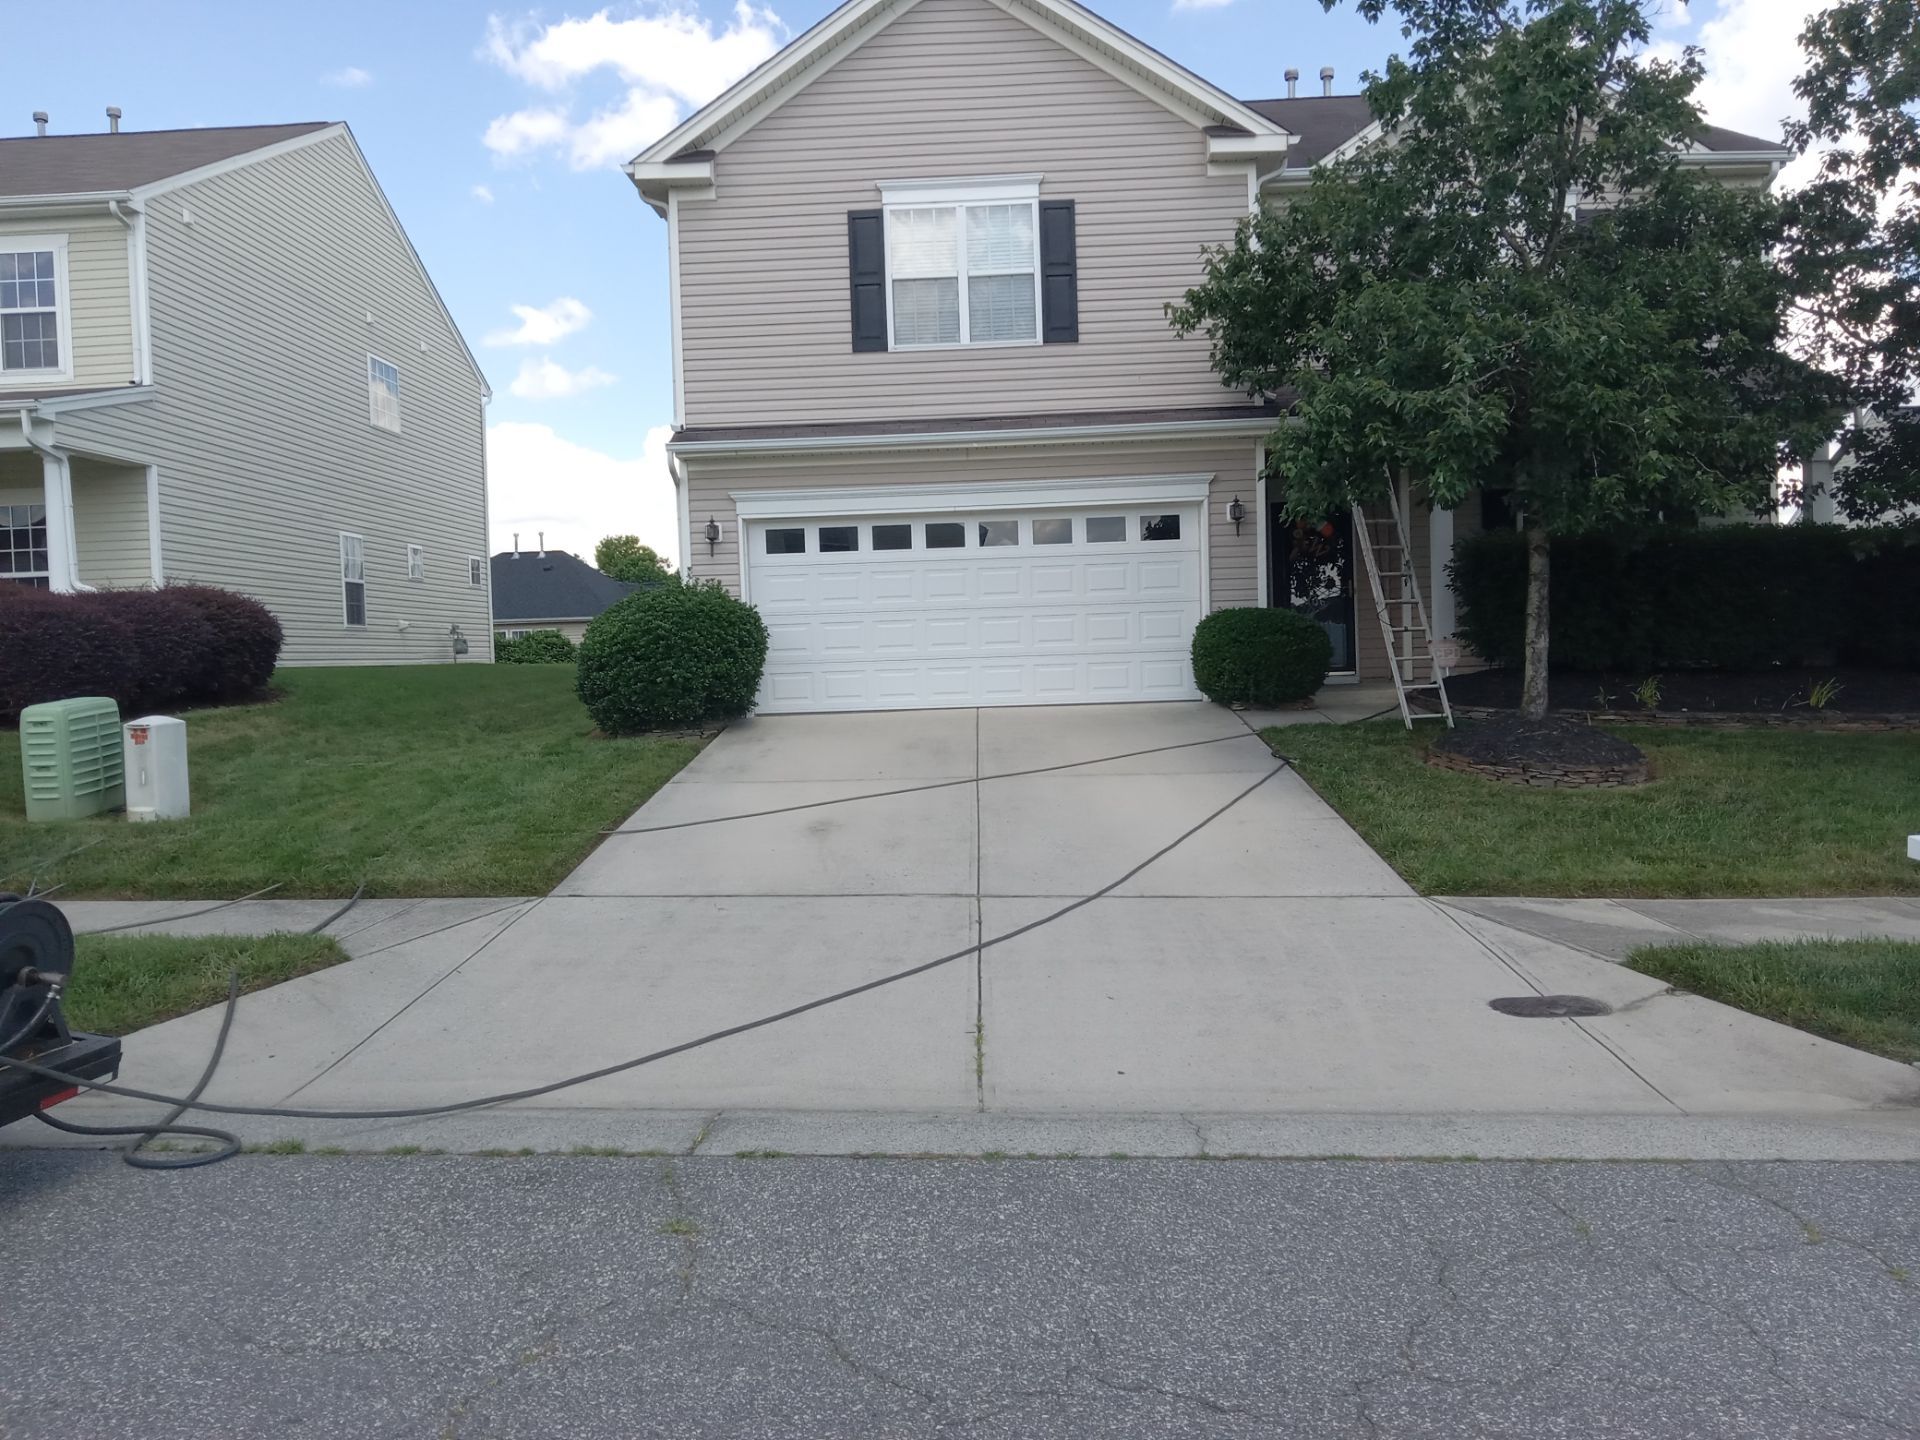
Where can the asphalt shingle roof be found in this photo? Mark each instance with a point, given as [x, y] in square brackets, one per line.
[106, 163]
[551, 586]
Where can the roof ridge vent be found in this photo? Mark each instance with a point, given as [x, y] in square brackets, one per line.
[39, 122]
[1293, 82]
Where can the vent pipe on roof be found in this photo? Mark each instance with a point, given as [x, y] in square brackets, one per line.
[39, 122]
[516, 544]
[113, 119]
[1326, 79]
[543, 544]
[1293, 82]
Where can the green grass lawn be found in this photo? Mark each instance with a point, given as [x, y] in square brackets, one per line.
[1730, 813]
[417, 780]
[123, 983]
[1864, 993]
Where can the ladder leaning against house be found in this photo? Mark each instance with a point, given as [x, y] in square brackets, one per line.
[1403, 614]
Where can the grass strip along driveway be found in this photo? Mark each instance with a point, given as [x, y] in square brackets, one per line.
[123, 983]
[1864, 993]
[1729, 813]
[414, 780]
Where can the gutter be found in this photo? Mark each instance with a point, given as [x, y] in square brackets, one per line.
[979, 439]
[81, 200]
[64, 499]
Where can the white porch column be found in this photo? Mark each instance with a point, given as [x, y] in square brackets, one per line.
[56, 485]
[1439, 556]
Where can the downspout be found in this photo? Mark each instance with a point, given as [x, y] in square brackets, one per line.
[137, 290]
[63, 502]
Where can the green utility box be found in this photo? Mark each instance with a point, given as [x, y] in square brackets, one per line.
[70, 758]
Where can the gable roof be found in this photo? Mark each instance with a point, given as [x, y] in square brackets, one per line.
[807, 56]
[529, 585]
[112, 163]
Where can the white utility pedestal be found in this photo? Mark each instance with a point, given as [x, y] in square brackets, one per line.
[155, 748]
[1913, 847]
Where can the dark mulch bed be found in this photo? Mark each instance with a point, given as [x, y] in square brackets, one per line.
[1556, 742]
[1860, 692]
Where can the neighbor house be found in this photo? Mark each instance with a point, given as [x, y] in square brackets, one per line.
[544, 589]
[929, 414]
[221, 360]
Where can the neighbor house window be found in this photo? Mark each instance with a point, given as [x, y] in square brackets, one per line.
[383, 393]
[30, 308]
[353, 579]
[23, 544]
[416, 563]
[964, 271]
[476, 571]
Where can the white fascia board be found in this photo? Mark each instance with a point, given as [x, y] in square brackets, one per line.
[980, 439]
[142, 193]
[65, 404]
[1247, 147]
[670, 175]
[964, 495]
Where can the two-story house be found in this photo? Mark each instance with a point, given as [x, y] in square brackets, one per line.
[929, 414]
[221, 360]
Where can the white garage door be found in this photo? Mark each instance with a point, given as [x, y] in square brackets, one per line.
[872, 612]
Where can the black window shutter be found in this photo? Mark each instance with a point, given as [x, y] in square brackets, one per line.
[867, 277]
[1059, 274]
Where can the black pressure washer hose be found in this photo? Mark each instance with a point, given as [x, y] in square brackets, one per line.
[193, 1102]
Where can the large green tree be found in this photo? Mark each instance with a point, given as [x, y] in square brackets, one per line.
[625, 558]
[1518, 286]
[1854, 237]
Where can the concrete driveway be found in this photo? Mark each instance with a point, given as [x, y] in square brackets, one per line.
[1270, 964]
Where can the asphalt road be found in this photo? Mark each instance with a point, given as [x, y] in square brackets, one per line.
[622, 1297]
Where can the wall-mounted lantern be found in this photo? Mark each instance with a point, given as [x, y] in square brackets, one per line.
[1236, 512]
[713, 534]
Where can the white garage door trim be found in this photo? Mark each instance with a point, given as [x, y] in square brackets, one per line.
[1007, 621]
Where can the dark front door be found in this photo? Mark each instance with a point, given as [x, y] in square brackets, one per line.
[1310, 569]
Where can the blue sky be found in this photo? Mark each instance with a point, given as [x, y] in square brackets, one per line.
[497, 133]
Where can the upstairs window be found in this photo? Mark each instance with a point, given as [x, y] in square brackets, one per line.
[30, 294]
[416, 562]
[383, 394]
[476, 572]
[353, 580]
[963, 264]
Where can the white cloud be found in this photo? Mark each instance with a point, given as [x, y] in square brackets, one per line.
[669, 61]
[483, 193]
[543, 324]
[547, 379]
[1200, 4]
[351, 78]
[538, 481]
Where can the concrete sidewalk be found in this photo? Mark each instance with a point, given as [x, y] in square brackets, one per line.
[1612, 928]
[1268, 986]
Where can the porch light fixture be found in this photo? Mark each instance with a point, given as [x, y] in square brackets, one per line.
[713, 534]
[1236, 512]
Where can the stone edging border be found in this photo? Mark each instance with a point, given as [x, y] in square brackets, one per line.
[1547, 776]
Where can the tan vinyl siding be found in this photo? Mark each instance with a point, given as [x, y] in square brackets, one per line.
[99, 309]
[574, 630]
[711, 483]
[110, 525]
[953, 88]
[259, 424]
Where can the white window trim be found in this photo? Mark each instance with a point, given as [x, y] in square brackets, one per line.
[477, 571]
[62, 306]
[360, 540]
[373, 413]
[416, 563]
[863, 500]
[957, 195]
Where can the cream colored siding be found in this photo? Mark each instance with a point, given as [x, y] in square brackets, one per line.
[574, 630]
[99, 312]
[952, 88]
[110, 525]
[259, 424]
[1230, 462]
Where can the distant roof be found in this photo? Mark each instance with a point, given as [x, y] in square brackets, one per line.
[974, 424]
[99, 162]
[529, 585]
[1323, 122]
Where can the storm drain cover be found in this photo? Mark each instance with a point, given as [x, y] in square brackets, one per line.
[1550, 1007]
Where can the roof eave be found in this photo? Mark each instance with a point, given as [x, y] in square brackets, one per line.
[77, 200]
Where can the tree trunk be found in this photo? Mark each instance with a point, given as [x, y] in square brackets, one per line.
[1533, 687]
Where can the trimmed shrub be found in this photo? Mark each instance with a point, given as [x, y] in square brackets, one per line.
[1259, 657]
[246, 642]
[669, 656]
[52, 649]
[146, 649]
[1728, 597]
[538, 647]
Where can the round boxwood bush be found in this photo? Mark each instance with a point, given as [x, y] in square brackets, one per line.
[246, 642]
[670, 656]
[536, 647]
[1259, 657]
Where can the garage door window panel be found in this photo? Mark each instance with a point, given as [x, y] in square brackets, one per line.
[787, 541]
[1106, 529]
[1159, 527]
[1053, 532]
[839, 539]
[893, 537]
[999, 532]
[946, 535]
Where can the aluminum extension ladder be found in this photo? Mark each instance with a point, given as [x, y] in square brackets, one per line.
[1403, 614]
